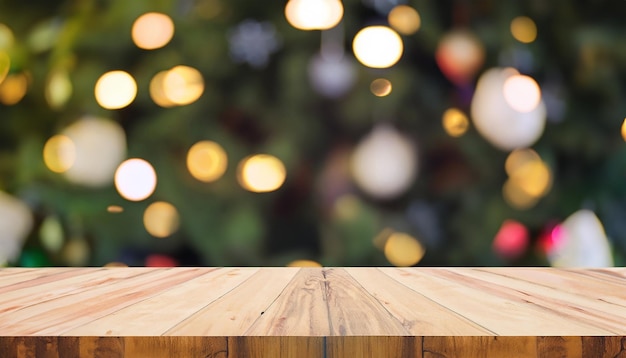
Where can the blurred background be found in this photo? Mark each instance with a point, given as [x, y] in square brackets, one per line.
[312, 132]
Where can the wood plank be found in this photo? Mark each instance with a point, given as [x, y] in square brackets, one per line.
[502, 315]
[604, 347]
[234, 313]
[557, 346]
[34, 277]
[300, 310]
[480, 347]
[568, 281]
[373, 347]
[265, 347]
[349, 306]
[60, 314]
[107, 347]
[420, 315]
[197, 292]
[578, 307]
[63, 283]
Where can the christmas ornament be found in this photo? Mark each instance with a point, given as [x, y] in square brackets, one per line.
[331, 76]
[498, 122]
[384, 164]
[253, 42]
[459, 55]
[16, 222]
[580, 241]
[99, 147]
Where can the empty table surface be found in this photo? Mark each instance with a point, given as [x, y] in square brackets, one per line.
[316, 312]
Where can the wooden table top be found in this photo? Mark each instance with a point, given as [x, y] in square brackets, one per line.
[313, 302]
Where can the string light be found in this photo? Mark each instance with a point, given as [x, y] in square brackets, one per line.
[381, 87]
[402, 249]
[455, 122]
[161, 219]
[313, 14]
[261, 173]
[183, 85]
[404, 19]
[304, 263]
[522, 93]
[152, 30]
[377, 46]
[13, 89]
[206, 161]
[524, 29]
[115, 90]
[135, 179]
[59, 153]
[5, 65]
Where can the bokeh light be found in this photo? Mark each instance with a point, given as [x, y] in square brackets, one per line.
[261, 173]
[6, 37]
[115, 209]
[331, 73]
[524, 29]
[152, 30]
[207, 161]
[402, 249]
[183, 85]
[404, 19]
[495, 119]
[158, 260]
[161, 219]
[99, 147]
[455, 122]
[518, 158]
[13, 88]
[512, 239]
[624, 129]
[377, 46]
[135, 179]
[522, 93]
[314, 14]
[76, 252]
[384, 163]
[517, 197]
[157, 90]
[534, 177]
[581, 242]
[346, 207]
[530, 179]
[304, 263]
[58, 89]
[5, 65]
[381, 87]
[51, 234]
[114, 264]
[59, 153]
[16, 222]
[115, 90]
[459, 55]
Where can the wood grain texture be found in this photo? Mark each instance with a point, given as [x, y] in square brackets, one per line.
[312, 312]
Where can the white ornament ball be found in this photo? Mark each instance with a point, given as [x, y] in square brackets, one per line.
[16, 222]
[581, 242]
[498, 122]
[331, 77]
[100, 146]
[384, 164]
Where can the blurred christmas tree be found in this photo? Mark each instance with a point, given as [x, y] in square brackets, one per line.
[214, 132]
